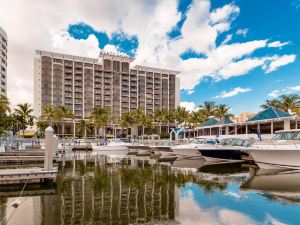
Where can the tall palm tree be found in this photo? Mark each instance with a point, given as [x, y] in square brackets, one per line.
[271, 103]
[60, 115]
[208, 109]
[100, 117]
[126, 121]
[48, 113]
[84, 126]
[289, 102]
[222, 111]
[181, 114]
[139, 118]
[24, 114]
[4, 105]
[42, 125]
[159, 116]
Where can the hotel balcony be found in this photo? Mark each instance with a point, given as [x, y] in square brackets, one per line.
[125, 99]
[78, 95]
[78, 83]
[125, 93]
[133, 94]
[98, 97]
[107, 87]
[107, 92]
[98, 86]
[107, 98]
[77, 71]
[78, 78]
[68, 71]
[125, 88]
[98, 80]
[107, 81]
[68, 83]
[68, 64]
[125, 83]
[107, 103]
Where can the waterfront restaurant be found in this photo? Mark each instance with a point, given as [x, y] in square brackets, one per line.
[265, 122]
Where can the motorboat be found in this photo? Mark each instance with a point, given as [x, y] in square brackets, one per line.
[114, 146]
[282, 151]
[190, 149]
[229, 150]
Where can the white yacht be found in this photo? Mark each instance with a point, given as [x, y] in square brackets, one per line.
[283, 151]
[191, 148]
[115, 146]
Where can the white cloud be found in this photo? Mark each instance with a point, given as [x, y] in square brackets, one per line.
[278, 61]
[287, 90]
[233, 92]
[227, 39]
[63, 42]
[190, 106]
[274, 94]
[242, 32]
[278, 44]
[149, 21]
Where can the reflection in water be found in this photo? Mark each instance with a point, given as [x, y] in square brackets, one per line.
[88, 193]
[276, 185]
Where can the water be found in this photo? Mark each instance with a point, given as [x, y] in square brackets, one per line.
[86, 193]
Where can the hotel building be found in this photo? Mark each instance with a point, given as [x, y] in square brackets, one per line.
[81, 83]
[3, 62]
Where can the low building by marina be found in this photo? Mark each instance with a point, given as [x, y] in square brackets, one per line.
[266, 123]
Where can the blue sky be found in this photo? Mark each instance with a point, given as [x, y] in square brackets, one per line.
[236, 52]
[260, 20]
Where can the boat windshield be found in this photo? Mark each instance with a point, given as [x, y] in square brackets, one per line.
[225, 141]
[198, 141]
[297, 136]
[286, 136]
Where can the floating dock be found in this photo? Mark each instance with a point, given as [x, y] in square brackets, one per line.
[26, 175]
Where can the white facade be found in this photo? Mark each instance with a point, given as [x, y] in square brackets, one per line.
[3, 62]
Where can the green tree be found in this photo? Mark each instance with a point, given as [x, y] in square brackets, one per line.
[4, 105]
[24, 114]
[207, 109]
[222, 111]
[181, 115]
[100, 117]
[48, 114]
[289, 102]
[42, 125]
[126, 121]
[271, 103]
[59, 115]
[84, 126]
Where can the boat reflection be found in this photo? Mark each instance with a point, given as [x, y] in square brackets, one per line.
[275, 185]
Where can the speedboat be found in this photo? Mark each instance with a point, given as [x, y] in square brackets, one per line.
[115, 146]
[283, 151]
[229, 150]
[190, 149]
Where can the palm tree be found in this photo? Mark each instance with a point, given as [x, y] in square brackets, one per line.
[271, 103]
[181, 115]
[23, 113]
[4, 105]
[159, 116]
[84, 126]
[138, 117]
[289, 102]
[222, 111]
[48, 113]
[100, 118]
[125, 121]
[207, 109]
[60, 115]
[42, 125]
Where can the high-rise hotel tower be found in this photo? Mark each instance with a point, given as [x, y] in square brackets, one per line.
[82, 83]
[3, 62]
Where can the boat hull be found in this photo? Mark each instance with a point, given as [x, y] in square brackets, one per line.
[270, 159]
[223, 155]
[186, 151]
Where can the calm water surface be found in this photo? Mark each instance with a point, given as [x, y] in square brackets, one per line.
[189, 192]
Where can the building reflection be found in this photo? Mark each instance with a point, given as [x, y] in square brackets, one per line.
[98, 195]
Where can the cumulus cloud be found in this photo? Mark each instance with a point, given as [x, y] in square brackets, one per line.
[278, 44]
[278, 61]
[287, 90]
[190, 106]
[242, 32]
[233, 92]
[149, 21]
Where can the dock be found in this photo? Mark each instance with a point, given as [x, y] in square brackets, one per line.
[26, 175]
